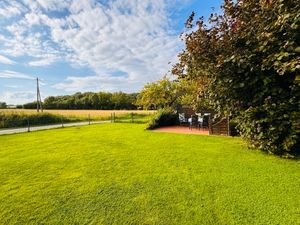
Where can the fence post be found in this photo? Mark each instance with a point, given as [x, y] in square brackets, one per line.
[62, 122]
[28, 125]
[228, 126]
[111, 118]
[89, 119]
[210, 127]
[114, 117]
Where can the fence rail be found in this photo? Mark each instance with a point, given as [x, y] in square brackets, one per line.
[220, 128]
[18, 121]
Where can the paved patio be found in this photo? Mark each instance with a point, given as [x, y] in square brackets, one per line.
[182, 130]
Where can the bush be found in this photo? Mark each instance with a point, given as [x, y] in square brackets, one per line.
[274, 127]
[8, 120]
[163, 117]
[233, 128]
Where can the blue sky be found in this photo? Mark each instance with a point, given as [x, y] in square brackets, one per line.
[90, 45]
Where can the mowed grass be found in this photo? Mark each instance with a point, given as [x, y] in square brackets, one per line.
[122, 174]
[94, 114]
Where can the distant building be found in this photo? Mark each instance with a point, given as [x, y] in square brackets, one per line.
[11, 106]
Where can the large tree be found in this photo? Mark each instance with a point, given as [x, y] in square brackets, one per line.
[249, 57]
[167, 93]
[160, 94]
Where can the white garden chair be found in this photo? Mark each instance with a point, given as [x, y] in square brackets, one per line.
[182, 118]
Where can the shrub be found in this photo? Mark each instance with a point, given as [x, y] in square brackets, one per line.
[163, 117]
[274, 127]
[233, 125]
[8, 120]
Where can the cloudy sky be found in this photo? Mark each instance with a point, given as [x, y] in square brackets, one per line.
[89, 45]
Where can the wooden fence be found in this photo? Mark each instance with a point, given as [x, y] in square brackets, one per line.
[221, 127]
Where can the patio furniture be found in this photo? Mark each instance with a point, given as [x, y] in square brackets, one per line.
[182, 119]
[199, 120]
[205, 123]
[193, 121]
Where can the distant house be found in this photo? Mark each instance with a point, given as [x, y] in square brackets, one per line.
[11, 106]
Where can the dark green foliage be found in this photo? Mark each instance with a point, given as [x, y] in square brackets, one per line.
[163, 117]
[9, 120]
[250, 56]
[89, 100]
[272, 126]
[233, 127]
[29, 105]
[3, 105]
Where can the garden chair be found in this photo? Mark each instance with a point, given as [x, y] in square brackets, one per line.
[182, 119]
[192, 121]
[199, 120]
[205, 123]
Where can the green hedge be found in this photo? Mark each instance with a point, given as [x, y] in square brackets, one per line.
[273, 127]
[9, 120]
[163, 117]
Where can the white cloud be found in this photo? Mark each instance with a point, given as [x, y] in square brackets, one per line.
[6, 60]
[10, 9]
[44, 61]
[17, 97]
[56, 5]
[8, 74]
[12, 86]
[128, 36]
[96, 83]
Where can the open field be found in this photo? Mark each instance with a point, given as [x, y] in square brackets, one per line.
[20, 118]
[94, 114]
[121, 174]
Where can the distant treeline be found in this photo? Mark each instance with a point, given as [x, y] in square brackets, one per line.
[3, 105]
[89, 100]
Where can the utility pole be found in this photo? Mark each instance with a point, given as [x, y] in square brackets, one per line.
[39, 105]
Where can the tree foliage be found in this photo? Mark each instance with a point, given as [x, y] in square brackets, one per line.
[249, 59]
[3, 105]
[166, 93]
[89, 100]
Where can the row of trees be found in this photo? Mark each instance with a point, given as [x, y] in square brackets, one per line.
[89, 100]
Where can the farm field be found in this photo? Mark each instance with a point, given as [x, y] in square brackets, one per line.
[80, 113]
[19, 118]
[121, 174]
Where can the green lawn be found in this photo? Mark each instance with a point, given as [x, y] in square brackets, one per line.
[121, 174]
